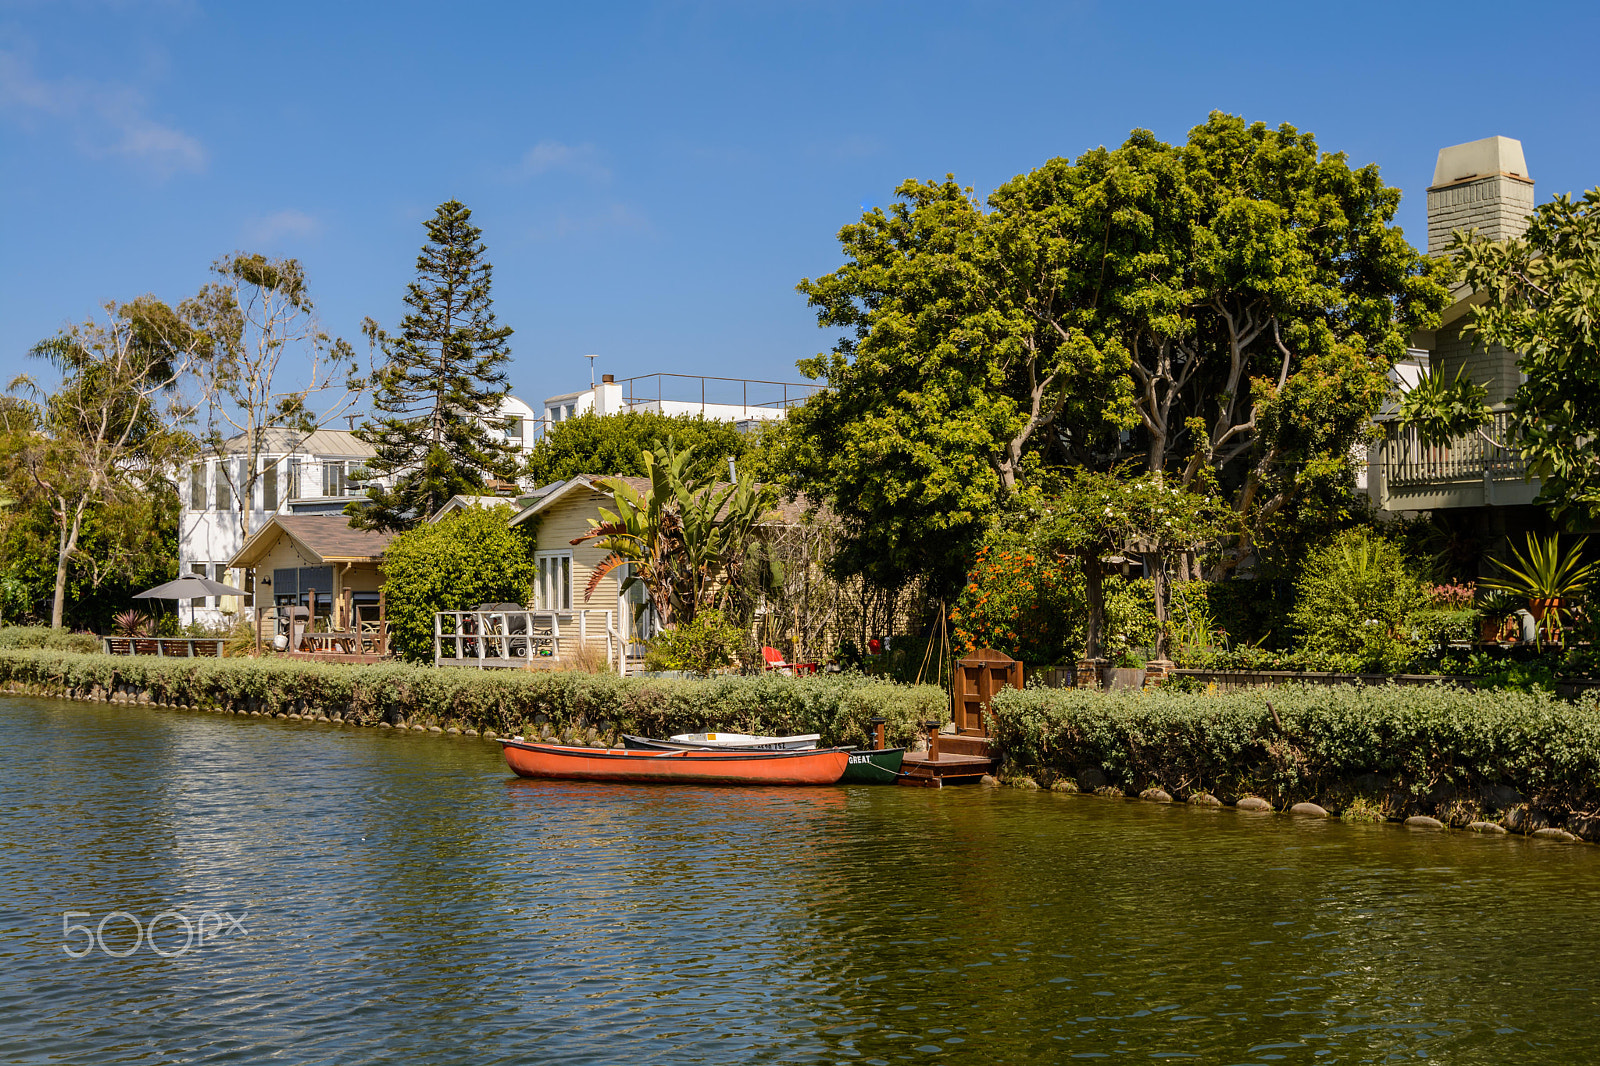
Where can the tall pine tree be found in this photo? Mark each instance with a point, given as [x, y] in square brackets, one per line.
[441, 389]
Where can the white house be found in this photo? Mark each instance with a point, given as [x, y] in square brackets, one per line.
[743, 401]
[299, 474]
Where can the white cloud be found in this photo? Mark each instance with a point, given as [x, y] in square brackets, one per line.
[286, 223]
[106, 121]
[616, 218]
[548, 156]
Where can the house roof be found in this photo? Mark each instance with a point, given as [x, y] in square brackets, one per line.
[278, 440]
[328, 537]
[461, 503]
[787, 511]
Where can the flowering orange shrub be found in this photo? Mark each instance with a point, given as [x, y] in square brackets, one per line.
[1027, 604]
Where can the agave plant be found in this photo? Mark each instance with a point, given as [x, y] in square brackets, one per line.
[132, 624]
[1548, 578]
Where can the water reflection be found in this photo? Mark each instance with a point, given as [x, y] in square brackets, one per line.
[410, 900]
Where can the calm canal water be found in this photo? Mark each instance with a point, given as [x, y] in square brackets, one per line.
[401, 898]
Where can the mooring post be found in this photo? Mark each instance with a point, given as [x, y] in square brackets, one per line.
[877, 732]
[933, 740]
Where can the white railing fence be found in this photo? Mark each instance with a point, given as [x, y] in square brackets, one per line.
[525, 638]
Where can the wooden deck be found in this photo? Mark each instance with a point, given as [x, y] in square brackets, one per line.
[953, 760]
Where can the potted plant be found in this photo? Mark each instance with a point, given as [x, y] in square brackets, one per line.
[1127, 667]
[1496, 610]
[1547, 578]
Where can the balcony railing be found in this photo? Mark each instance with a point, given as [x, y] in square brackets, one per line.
[1407, 463]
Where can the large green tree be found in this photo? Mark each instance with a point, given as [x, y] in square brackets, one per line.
[971, 346]
[437, 398]
[1541, 299]
[1237, 301]
[615, 444]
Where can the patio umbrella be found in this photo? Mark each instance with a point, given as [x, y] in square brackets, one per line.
[189, 587]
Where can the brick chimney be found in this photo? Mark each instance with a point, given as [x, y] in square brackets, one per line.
[1482, 185]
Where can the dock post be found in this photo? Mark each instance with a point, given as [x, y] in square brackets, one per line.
[933, 741]
[877, 732]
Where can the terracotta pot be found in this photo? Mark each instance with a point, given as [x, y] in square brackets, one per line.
[1539, 608]
[1490, 629]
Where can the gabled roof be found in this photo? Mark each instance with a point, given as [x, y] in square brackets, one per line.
[278, 440]
[788, 511]
[327, 537]
[461, 503]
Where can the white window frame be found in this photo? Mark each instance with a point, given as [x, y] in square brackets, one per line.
[552, 581]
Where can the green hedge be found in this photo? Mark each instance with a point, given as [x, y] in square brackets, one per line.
[45, 637]
[1423, 748]
[507, 701]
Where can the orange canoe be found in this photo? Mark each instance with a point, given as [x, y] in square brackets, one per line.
[532, 759]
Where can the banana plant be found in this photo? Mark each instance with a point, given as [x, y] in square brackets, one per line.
[1548, 578]
[687, 540]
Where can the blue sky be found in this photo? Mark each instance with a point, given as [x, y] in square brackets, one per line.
[653, 179]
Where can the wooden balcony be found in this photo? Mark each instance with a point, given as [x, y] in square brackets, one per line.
[1403, 474]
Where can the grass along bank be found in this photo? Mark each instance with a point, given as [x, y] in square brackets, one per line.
[1525, 762]
[563, 703]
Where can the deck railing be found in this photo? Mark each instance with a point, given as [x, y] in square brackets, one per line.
[1408, 463]
[524, 638]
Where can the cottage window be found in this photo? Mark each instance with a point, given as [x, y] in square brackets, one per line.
[552, 588]
[293, 488]
[199, 570]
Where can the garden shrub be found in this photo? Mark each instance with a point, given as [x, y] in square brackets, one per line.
[1357, 596]
[470, 557]
[1027, 603]
[45, 637]
[840, 707]
[701, 646]
[1429, 742]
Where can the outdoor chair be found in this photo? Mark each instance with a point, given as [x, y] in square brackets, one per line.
[773, 660]
[509, 621]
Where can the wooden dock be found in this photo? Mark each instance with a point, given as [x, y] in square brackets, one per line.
[951, 759]
[964, 757]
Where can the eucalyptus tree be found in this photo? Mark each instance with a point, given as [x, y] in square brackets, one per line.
[267, 365]
[114, 426]
[439, 393]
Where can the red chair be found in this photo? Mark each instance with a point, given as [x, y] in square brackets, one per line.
[773, 660]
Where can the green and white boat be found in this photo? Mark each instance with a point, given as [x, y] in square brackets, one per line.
[873, 766]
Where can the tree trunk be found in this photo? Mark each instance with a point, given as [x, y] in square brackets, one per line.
[1094, 581]
[67, 546]
[1159, 589]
